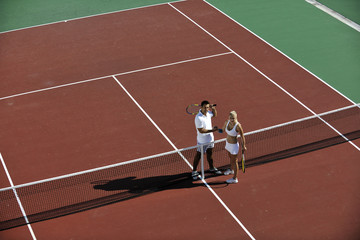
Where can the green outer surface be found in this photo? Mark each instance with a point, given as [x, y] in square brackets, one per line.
[348, 8]
[15, 14]
[320, 43]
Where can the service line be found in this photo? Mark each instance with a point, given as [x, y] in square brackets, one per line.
[117, 74]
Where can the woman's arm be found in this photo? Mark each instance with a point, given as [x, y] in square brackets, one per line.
[240, 130]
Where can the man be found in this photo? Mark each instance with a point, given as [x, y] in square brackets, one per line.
[205, 135]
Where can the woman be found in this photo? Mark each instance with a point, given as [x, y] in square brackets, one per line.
[233, 128]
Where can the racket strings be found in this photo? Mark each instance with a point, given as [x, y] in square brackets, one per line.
[193, 109]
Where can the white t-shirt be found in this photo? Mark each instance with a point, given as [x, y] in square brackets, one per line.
[204, 121]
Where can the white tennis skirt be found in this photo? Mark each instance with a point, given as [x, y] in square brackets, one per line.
[232, 148]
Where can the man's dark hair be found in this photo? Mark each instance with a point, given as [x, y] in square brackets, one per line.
[205, 102]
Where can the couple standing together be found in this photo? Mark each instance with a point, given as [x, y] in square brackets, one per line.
[205, 135]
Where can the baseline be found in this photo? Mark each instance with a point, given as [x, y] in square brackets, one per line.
[90, 16]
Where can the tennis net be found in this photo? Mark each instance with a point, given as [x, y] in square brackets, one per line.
[46, 199]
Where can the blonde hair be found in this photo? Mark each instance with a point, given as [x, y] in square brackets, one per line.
[234, 115]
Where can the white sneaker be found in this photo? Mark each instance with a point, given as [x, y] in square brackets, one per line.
[231, 180]
[195, 175]
[228, 172]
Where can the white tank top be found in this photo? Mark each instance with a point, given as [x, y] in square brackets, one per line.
[233, 131]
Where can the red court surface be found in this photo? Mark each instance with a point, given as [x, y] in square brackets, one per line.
[165, 61]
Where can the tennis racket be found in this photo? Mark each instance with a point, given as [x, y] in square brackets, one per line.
[193, 109]
[243, 162]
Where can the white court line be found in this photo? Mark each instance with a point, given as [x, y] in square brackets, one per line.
[150, 119]
[173, 145]
[338, 92]
[90, 16]
[335, 14]
[268, 78]
[17, 198]
[117, 74]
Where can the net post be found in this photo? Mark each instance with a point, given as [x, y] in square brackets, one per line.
[202, 162]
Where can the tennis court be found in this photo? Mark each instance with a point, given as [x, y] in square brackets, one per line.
[108, 89]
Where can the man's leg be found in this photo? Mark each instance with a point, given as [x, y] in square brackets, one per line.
[195, 175]
[209, 157]
[209, 153]
[196, 160]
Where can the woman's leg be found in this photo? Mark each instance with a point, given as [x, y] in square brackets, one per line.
[234, 165]
[230, 156]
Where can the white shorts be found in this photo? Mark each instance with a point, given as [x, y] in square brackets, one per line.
[205, 147]
[232, 148]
